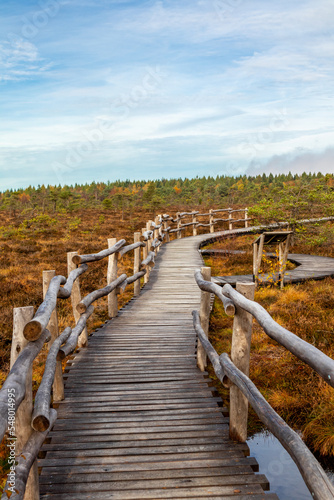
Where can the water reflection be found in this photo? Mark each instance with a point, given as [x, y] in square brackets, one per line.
[281, 471]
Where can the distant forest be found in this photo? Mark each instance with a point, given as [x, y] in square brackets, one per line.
[270, 197]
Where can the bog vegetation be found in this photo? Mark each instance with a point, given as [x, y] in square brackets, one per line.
[39, 225]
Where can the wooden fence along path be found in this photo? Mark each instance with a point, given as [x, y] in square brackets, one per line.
[137, 419]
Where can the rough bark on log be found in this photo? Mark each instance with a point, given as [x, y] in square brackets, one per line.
[314, 476]
[35, 327]
[240, 356]
[208, 286]
[147, 235]
[136, 263]
[93, 257]
[128, 248]
[149, 261]
[321, 363]
[184, 214]
[204, 316]
[188, 224]
[220, 220]
[136, 276]
[16, 380]
[72, 341]
[25, 461]
[181, 228]
[91, 297]
[65, 291]
[155, 243]
[52, 326]
[40, 420]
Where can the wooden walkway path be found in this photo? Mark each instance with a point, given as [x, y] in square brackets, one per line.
[139, 420]
[310, 267]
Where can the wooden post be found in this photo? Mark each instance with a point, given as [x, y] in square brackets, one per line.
[149, 243]
[179, 222]
[254, 261]
[159, 219]
[111, 276]
[167, 238]
[156, 233]
[145, 252]
[285, 254]
[76, 298]
[257, 257]
[194, 221]
[205, 318]
[212, 225]
[246, 217]
[280, 264]
[58, 383]
[240, 353]
[21, 316]
[136, 264]
[283, 249]
[230, 223]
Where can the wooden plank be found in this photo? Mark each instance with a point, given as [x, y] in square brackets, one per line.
[172, 455]
[161, 483]
[130, 441]
[144, 475]
[187, 463]
[112, 422]
[243, 491]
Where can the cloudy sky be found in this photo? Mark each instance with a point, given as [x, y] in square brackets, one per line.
[108, 89]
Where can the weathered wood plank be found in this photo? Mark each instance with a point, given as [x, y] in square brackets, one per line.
[161, 483]
[187, 463]
[243, 491]
[144, 475]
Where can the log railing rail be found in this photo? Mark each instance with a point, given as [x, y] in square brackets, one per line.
[34, 422]
[234, 373]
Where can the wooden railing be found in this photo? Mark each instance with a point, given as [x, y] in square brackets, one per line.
[197, 220]
[234, 372]
[26, 424]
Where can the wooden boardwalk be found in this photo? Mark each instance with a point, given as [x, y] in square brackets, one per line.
[139, 420]
[309, 267]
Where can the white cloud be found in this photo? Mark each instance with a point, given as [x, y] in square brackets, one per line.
[19, 60]
[307, 161]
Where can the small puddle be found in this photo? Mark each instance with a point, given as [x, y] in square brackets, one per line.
[281, 471]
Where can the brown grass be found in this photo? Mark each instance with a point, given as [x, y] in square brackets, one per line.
[294, 390]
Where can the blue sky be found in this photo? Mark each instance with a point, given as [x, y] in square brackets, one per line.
[101, 89]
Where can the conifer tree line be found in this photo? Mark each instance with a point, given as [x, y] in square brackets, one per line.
[269, 196]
